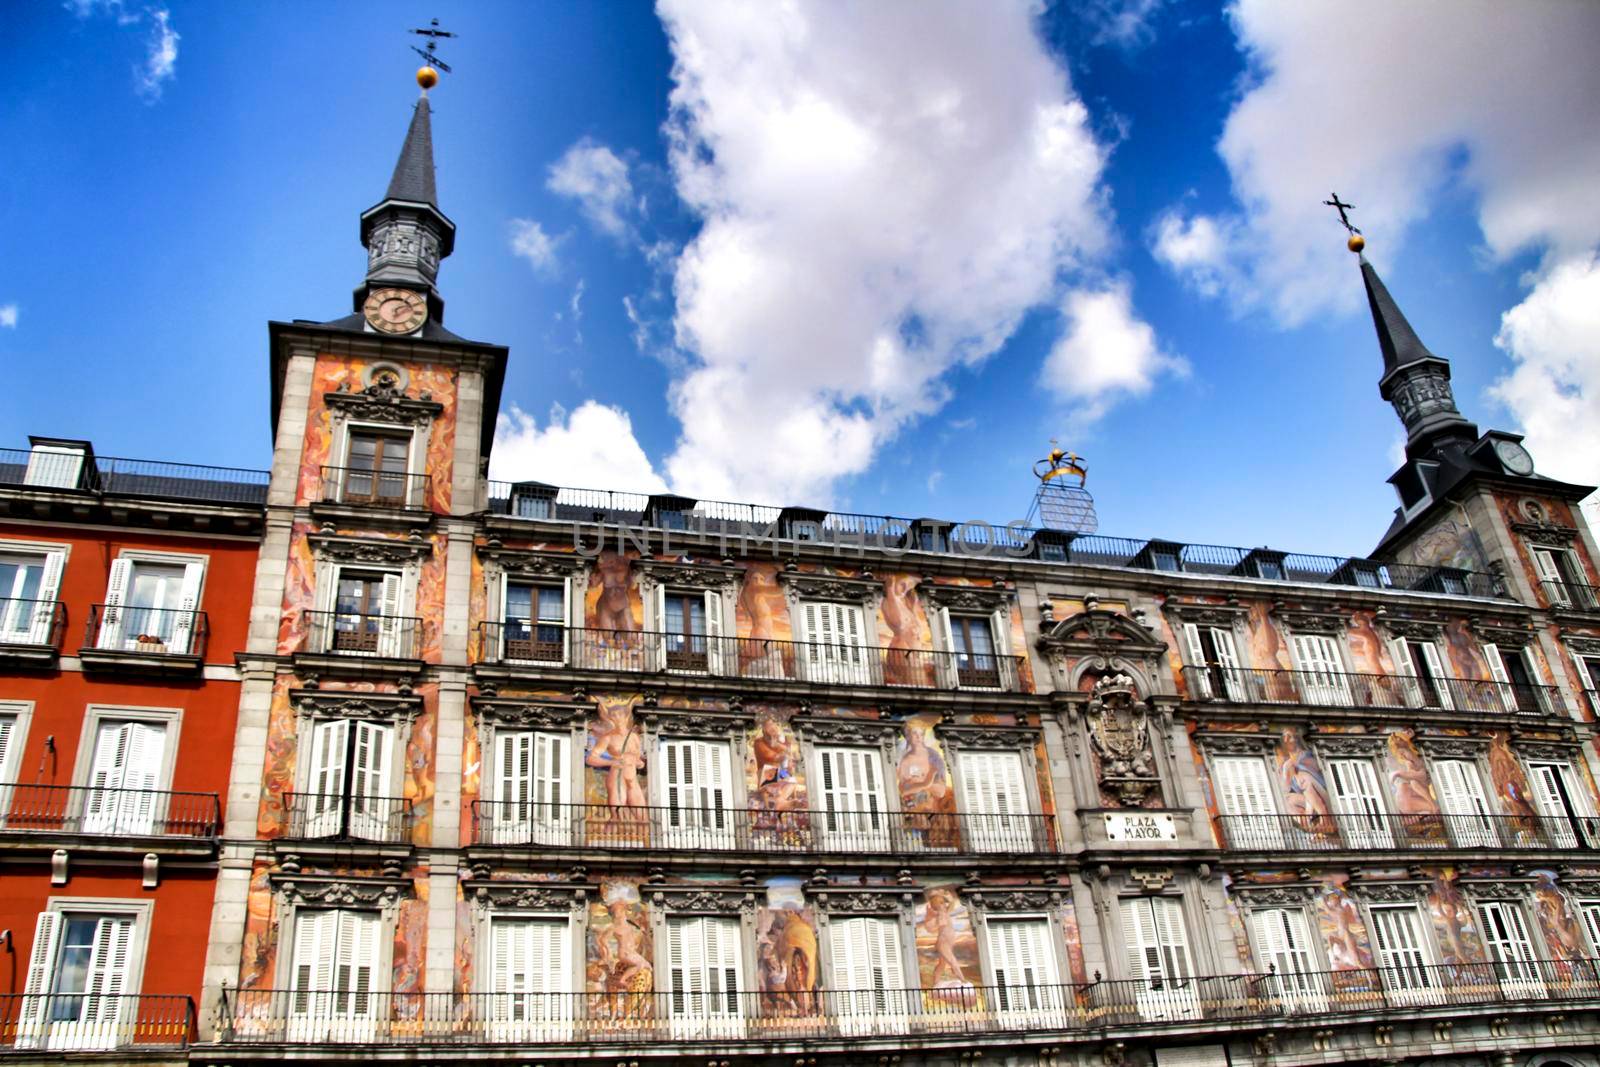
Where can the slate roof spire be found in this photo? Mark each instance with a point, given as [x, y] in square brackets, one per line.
[405, 233]
[413, 171]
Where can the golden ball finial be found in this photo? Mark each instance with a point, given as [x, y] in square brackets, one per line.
[427, 77]
[1356, 242]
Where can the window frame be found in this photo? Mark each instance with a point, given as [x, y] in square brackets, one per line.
[21, 714]
[818, 757]
[1276, 836]
[560, 831]
[47, 593]
[141, 911]
[289, 937]
[1349, 830]
[95, 715]
[1426, 943]
[1332, 690]
[1312, 999]
[119, 598]
[568, 984]
[1052, 1002]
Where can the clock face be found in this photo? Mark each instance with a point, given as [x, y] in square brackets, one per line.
[395, 310]
[1514, 456]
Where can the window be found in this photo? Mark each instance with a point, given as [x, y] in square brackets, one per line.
[1562, 578]
[854, 816]
[995, 795]
[532, 801]
[81, 974]
[1589, 672]
[1505, 934]
[535, 622]
[125, 771]
[151, 606]
[972, 641]
[55, 466]
[1283, 945]
[1512, 671]
[1158, 958]
[1423, 676]
[1468, 816]
[530, 968]
[1322, 675]
[690, 622]
[836, 652]
[1568, 812]
[13, 718]
[1166, 559]
[1249, 809]
[1402, 956]
[1590, 910]
[695, 792]
[1215, 663]
[703, 967]
[334, 977]
[1027, 984]
[868, 977]
[366, 619]
[348, 788]
[1362, 820]
[29, 582]
[375, 470]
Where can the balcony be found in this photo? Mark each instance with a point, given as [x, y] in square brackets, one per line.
[339, 1017]
[139, 640]
[521, 825]
[1430, 832]
[98, 1022]
[351, 636]
[342, 818]
[381, 497]
[548, 645]
[1571, 596]
[30, 631]
[1339, 689]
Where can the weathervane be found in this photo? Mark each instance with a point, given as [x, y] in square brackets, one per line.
[428, 74]
[1356, 242]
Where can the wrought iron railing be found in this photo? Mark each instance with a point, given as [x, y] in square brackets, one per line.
[1432, 830]
[94, 1022]
[514, 823]
[640, 651]
[287, 1016]
[758, 527]
[1340, 689]
[343, 817]
[388, 489]
[110, 476]
[348, 633]
[1571, 595]
[32, 622]
[150, 631]
[76, 809]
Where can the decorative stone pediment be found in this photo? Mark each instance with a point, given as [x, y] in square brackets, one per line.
[1280, 894]
[1547, 534]
[1349, 744]
[530, 896]
[1502, 632]
[1223, 615]
[531, 714]
[384, 400]
[1015, 897]
[385, 551]
[1416, 626]
[859, 900]
[1551, 750]
[1150, 879]
[1501, 887]
[988, 737]
[1582, 887]
[533, 564]
[1389, 891]
[372, 707]
[705, 899]
[806, 585]
[1581, 645]
[1229, 743]
[688, 575]
[1104, 632]
[969, 598]
[870, 733]
[1453, 747]
[714, 723]
[1311, 620]
[339, 892]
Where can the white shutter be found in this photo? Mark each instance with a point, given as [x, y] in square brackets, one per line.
[1551, 782]
[185, 619]
[108, 976]
[1589, 671]
[111, 622]
[1402, 956]
[717, 657]
[1590, 910]
[1025, 975]
[8, 728]
[324, 806]
[948, 664]
[696, 787]
[372, 813]
[1323, 680]
[854, 813]
[530, 966]
[513, 788]
[1361, 814]
[1505, 695]
[1283, 944]
[1555, 590]
[311, 974]
[1407, 672]
[1197, 659]
[1461, 796]
[40, 979]
[123, 774]
[658, 641]
[391, 633]
[868, 979]
[1505, 934]
[1158, 957]
[44, 612]
[995, 795]
[1244, 793]
[552, 812]
[1228, 660]
[1441, 680]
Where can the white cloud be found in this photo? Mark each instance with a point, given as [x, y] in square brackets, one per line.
[1124, 23]
[1196, 249]
[161, 57]
[1104, 351]
[1395, 105]
[1554, 387]
[591, 447]
[529, 241]
[885, 190]
[597, 178]
[8, 316]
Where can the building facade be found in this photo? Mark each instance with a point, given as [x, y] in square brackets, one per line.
[532, 774]
[121, 588]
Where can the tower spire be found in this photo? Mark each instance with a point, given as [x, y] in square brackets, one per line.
[413, 171]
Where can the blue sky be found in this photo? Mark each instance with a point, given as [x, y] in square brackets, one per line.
[872, 257]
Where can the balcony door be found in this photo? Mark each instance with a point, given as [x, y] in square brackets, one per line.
[1563, 800]
[1216, 663]
[367, 614]
[976, 652]
[690, 624]
[1402, 957]
[1283, 945]
[348, 789]
[1249, 808]
[28, 584]
[1514, 680]
[1467, 812]
[534, 623]
[376, 469]
[1322, 675]
[703, 968]
[533, 804]
[855, 816]
[124, 774]
[78, 983]
[696, 786]
[1028, 992]
[531, 969]
[1505, 935]
[995, 795]
[869, 988]
[1355, 789]
[333, 996]
[837, 653]
[151, 606]
[1158, 959]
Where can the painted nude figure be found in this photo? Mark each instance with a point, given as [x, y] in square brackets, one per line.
[940, 923]
[618, 751]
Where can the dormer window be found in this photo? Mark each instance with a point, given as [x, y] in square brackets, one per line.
[56, 464]
[533, 500]
[667, 512]
[1160, 556]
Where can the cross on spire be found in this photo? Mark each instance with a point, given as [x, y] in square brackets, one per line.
[1340, 206]
[433, 33]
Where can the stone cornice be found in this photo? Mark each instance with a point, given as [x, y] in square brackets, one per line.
[809, 585]
[529, 896]
[978, 736]
[974, 598]
[1015, 897]
[1224, 615]
[534, 563]
[1332, 619]
[1545, 534]
[529, 712]
[337, 704]
[381, 403]
[394, 551]
[339, 891]
[704, 898]
[846, 730]
[691, 575]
